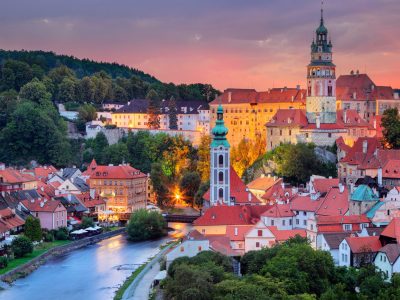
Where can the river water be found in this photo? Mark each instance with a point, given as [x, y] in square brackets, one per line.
[93, 272]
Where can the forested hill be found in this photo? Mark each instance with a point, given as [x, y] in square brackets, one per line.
[82, 67]
[72, 80]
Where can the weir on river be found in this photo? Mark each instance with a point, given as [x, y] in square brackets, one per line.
[93, 272]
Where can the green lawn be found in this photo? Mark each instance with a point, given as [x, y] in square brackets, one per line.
[38, 250]
[120, 292]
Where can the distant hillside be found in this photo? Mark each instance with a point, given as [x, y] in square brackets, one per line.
[69, 79]
[82, 67]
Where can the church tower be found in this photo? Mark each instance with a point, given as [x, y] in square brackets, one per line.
[321, 79]
[220, 163]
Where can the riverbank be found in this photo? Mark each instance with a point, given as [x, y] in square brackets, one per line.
[25, 269]
[144, 278]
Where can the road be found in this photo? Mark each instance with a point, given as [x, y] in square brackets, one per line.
[94, 272]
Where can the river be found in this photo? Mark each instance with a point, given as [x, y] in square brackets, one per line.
[93, 272]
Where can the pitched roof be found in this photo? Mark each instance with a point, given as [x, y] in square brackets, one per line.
[67, 173]
[322, 185]
[342, 145]
[338, 219]
[42, 206]
[364, 193]
[116, 172]
[364, 244]
[358, 85]
[239, 230]
[334, 202]
[391, 169]
[288, 118]
[230, 215]
[393, 230]
[251, 96]
[304, 203]
[15, 176]
[263, 183]
[284, 235]
[334, 239]
[392, 252]
[44, 172]
[278, 191]
[9, 220]
[279, 211]
[88, 202]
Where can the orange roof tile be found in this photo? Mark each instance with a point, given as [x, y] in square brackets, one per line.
[284, 235]
[42, 206]
[263, 183]
[116, 172]
[237, 233]
[364, 244]
[14, 176]
[279, 211]
[322, 185]
[393, 229]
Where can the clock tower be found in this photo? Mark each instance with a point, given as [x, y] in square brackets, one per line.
[220, 163]
[321, 79]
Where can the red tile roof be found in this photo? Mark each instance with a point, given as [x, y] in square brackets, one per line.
[342, 145]
[356, 156]
[45, 190]
[359, 85]
[263, 183]
[393, 230]
[9, 220]
[275, 95]
[304, 203]
[335, 223]
[392, 251]
[241, 232]
[391, 168]
[288, 118]
[334, 202]
[116, 172]
[278, 192]
[42, 206]
[15, 176]
[322, 185]
[87, 201]
[284, 235]
[230, 215]
[279, 211]
[44, 172]
[364, 244]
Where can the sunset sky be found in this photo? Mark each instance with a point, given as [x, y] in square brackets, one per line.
[228, 43]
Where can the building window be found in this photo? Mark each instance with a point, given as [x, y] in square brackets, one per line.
[220, 193]
[199, 248]
[259, 232]
[347, 227]
[283, 222]
[297, 221]
[221, 177]
[182, 249]
[280, 132]
[221, 160]
[305, 222]
[272, 222]
[257, 244]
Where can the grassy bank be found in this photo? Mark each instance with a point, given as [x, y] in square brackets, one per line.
[38, 250]
[120, 292]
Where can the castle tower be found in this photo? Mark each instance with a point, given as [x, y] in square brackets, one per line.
[220, 163]
[321, 79]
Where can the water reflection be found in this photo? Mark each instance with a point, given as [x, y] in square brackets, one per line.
[94, 272]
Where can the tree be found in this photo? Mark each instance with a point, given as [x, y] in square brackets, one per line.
[21, 246]
[189, 185]
[146, 225]
[86, 89]
[391, 128]
[116, 154]
[203, 164]
[8, 103]
[35, 91]
[66, 90]
[87, 222]
[172, 111]
[159, 182]
[16, 74]
[33, 229]
[198, 198]
[87, 113]
[153, 110]
[34, 133]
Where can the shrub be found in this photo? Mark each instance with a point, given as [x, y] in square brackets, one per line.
[62, 234]
[3, 262]
[87, 222]
[48, 237]
[21, 246]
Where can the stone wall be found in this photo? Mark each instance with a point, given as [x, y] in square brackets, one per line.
[32, 265]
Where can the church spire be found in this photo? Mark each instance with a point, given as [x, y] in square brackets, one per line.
[322, 13]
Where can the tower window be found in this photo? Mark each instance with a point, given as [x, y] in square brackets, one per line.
[221, 160]
[220, 194]
[221, 177]
[329, 91]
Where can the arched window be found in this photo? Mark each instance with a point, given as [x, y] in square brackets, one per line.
[221, 194]
[221, 177]
[221, 160]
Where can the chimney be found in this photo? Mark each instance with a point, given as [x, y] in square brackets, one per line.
[365, 146]
[354, 95]
[298, 87]
[41, 204]
[2, 166]
[380, 176]
[262, 175]
[372, 87]
[341, 188]
[248, 195]
[358, 72]
[318, 122]
[236, 231]
[345, 116]
[229, 97]
[92, 193]
[351, 72]
[374, 123]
